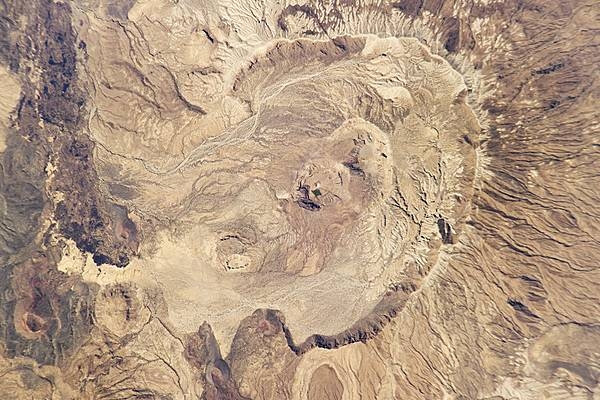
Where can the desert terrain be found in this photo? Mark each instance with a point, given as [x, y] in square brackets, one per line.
[312, 199]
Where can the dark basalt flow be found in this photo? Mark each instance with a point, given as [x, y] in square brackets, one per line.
[304, 201]
[43, 312]
[363, 330]
[354, 168]
[445, 231]
[308, 204]
[84, 215]
[521, 308]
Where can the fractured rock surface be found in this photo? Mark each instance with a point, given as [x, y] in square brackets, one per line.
[299, 200]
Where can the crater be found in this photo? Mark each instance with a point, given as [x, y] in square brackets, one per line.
[328, 193]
